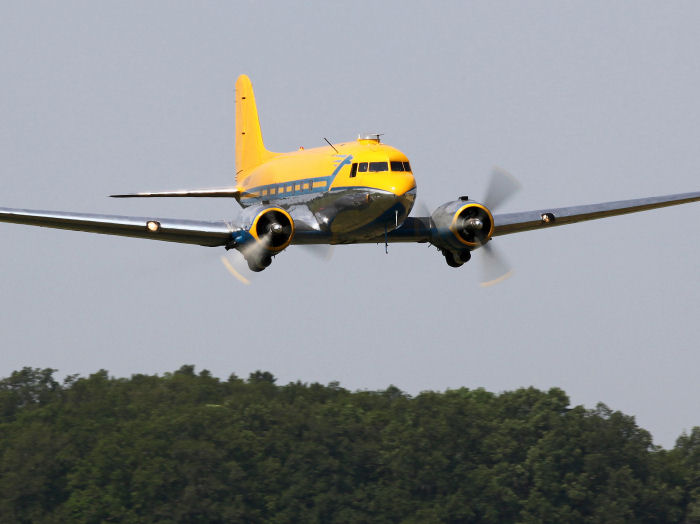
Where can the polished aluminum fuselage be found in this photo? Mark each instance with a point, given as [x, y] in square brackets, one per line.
[339, 216]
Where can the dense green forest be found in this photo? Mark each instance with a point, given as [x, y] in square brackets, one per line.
[189, 447]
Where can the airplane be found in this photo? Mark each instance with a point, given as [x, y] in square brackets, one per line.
[346, 193]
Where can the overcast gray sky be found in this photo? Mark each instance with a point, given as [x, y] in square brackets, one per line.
[583, 101]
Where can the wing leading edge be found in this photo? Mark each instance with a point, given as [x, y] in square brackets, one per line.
[202, 233]
[508, 223]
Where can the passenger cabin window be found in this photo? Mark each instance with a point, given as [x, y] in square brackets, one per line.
[397, 166]
[353, 170]
[376, 167]
[362, 167]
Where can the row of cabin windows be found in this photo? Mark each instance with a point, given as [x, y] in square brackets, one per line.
[290, 188]
[361, 167]
[376, 167]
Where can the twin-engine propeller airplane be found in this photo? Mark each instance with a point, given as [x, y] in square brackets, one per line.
[347, 193]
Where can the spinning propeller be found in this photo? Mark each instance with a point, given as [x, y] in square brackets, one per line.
[254, 256]
[494, 265]
[236, 261]
[475, 225]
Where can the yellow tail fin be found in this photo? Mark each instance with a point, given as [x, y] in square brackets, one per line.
[250, 150]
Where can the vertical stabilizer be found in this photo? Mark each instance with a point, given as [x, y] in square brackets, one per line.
[250, 150]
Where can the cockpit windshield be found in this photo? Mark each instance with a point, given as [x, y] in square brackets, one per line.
[376, 167]
[397, 165]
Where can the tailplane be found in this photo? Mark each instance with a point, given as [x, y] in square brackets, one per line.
[222, 192]
[250, 150]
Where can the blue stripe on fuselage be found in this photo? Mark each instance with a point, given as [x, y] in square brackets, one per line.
[250, 199]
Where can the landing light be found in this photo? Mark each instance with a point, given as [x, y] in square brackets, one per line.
[153, 226]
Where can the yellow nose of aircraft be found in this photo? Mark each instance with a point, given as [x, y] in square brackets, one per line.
[403, 188]
[397, 183]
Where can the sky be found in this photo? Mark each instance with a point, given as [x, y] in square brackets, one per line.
[582, 101]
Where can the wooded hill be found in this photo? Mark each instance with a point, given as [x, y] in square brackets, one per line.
[188, 447]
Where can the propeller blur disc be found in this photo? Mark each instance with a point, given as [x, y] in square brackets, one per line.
[231, 266]
[502, 186]
[494, 266]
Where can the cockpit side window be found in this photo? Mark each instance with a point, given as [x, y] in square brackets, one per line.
[375, 167]
[362, 167]
[407, 167]
[397, 166]
[353, 170]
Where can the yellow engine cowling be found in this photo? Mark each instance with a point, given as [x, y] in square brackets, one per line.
[273, 227]
[462, 223]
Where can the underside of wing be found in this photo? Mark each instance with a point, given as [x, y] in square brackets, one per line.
[202, 233]
[413, 229]
[508, 223]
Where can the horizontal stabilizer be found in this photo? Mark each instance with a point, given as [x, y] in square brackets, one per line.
[219, 192]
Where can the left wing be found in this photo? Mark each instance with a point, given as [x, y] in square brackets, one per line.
[203, 233]
[422, 229]
[508, 223]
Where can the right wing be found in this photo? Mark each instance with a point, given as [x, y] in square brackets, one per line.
[203, 233]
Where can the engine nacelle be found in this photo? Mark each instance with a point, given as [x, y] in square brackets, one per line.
[462, 224]
[262, 233]
[273, 227]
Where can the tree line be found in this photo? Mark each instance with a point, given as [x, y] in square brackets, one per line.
[189, 447]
